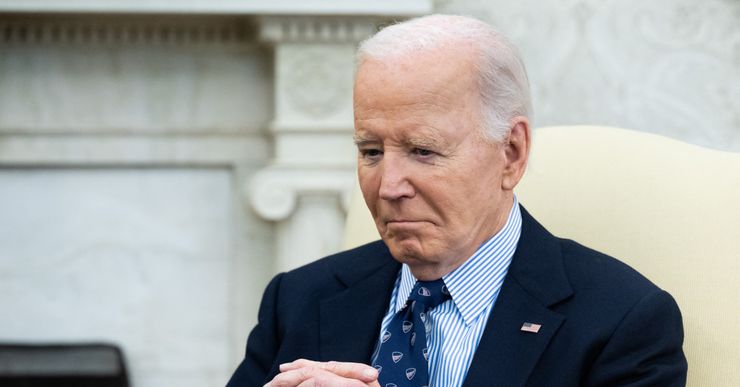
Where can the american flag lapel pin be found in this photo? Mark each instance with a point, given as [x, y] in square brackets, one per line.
[530, 327]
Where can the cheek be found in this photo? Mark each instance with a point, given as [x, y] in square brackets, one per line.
[369, 188]
[464, 199]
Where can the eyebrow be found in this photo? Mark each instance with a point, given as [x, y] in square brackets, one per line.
[363, 140]
[425, 142]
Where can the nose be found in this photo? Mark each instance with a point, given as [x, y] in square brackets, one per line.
[394, 180]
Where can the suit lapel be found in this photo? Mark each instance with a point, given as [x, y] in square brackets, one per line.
[506, 355]
[363, 304]
[536, 280]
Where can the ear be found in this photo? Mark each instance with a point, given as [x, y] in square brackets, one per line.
[516, 152]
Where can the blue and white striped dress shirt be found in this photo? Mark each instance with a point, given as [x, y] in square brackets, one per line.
[455, 327]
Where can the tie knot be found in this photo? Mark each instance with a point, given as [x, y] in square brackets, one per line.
[430, 293]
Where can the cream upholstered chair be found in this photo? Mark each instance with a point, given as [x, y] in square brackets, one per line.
[669, 209]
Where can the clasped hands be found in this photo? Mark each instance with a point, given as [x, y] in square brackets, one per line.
[308, 373]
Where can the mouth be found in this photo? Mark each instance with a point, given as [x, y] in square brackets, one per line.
[405, 222]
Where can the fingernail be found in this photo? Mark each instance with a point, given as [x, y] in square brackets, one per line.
[370, 373]
[284, 365]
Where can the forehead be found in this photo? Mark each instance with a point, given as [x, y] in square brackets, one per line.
[445, 72]
[425, 97]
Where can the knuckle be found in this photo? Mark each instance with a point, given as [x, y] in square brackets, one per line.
[332, 366]
[306, 372]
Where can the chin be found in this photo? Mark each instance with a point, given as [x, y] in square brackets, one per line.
[404, 250]
[407, 251]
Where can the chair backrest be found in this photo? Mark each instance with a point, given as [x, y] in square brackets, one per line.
[62, 365]
[669, 209]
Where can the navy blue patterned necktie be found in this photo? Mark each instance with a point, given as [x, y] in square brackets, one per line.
[403, 357]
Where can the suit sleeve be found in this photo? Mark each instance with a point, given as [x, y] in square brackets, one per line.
[262, 344]
[645, 349]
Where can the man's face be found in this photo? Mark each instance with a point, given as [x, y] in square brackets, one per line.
[431, 180]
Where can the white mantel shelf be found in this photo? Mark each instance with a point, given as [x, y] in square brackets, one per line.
[243, 7]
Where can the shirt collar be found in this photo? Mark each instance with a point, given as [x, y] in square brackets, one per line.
[476, 283]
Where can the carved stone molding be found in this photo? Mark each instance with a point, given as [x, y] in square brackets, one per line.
[274, 191]
[124, 30]
[326, 29]
[222, 7]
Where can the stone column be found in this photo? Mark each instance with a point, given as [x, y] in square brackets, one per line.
[306, 187]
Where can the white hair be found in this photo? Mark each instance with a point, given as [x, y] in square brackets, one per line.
[502, 82]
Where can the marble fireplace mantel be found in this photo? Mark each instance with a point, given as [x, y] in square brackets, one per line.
[218, 136]
[391, 8]
[304, 189]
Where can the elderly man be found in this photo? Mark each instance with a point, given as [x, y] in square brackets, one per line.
[465, 288]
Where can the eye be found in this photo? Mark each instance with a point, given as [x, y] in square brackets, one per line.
[371, 154]
[422, 152]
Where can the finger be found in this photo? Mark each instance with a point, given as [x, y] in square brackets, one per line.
[325, 378]
[357, 371]
[298, 364]
[291, 378]
[312, 376]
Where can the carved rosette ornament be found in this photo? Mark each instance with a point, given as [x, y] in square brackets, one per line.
[316, 80]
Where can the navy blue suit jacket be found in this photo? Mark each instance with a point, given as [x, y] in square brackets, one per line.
[603, 324]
